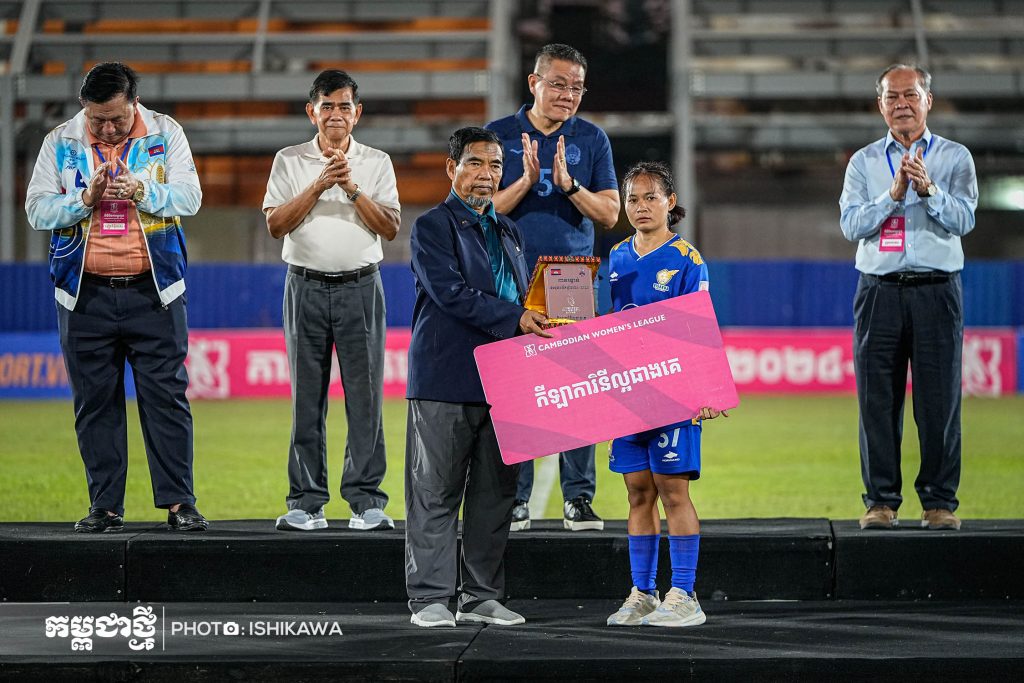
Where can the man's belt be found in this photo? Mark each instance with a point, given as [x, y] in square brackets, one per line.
[912, 279]
[119, 281]
[334, 278]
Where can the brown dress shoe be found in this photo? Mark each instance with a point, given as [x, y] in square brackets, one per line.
[879, 517]
[940, 518]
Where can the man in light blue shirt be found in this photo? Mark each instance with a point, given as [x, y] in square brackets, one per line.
[907, 200]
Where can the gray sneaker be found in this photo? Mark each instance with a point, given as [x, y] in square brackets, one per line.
[679, 608]
[433, 615]
[520, 516]
[637, 606]
[367, 520]
[300, 520]
[490, 612]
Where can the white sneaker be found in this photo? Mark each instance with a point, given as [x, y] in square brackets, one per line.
[637, 606]
[300, 520]
[679, 608]
[433, 615]
[374, 518]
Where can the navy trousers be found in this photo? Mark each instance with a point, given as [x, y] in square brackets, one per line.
[576, 472]
[108, 327]
[919, 324]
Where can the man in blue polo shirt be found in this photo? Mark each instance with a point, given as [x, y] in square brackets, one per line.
[558, 181]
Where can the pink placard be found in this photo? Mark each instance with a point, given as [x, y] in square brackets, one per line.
[611, 376]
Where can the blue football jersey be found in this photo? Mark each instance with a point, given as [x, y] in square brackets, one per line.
[673, 269]
[551, 224]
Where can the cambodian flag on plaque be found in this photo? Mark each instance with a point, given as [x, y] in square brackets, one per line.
[603, 378]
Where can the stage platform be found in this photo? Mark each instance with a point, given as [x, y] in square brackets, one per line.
[762, 559]
[564, 640]
[793, 599]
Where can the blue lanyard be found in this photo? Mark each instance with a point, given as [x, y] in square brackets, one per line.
[923, 156]
[124, 155]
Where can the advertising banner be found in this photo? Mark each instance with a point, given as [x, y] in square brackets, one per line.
[253, 363]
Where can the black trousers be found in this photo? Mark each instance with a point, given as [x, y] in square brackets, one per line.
[919, 324]
[108, 327]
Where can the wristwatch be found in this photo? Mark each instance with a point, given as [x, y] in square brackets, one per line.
[140, 193]
[355, 194]
[930, 191]
[574, 189]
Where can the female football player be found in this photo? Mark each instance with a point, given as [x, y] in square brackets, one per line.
[652, 265]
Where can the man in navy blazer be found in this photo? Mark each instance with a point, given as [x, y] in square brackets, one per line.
[471, 278]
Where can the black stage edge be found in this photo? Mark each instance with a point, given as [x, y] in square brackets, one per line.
[763, 559]
[44, 562]
[563, 640]
[985, 559]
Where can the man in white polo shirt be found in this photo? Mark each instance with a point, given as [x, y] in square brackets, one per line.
[332, 199]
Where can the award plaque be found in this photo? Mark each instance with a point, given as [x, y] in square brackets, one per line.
[562, 288]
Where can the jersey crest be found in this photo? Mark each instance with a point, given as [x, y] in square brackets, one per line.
[664, 276]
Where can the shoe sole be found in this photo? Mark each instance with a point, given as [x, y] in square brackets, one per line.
[583, 526]
[190, 527]
[638, 622]
[471, 618]
[283, 525]
[520, 526]
[940, 527]
[362, 526]
[880, 525]
[430, 624]
[695, 620]
[107, 530]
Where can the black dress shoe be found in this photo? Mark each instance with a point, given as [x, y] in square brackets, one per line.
[187, 518]
[99, 522]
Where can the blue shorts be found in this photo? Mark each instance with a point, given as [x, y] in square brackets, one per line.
[674, 449]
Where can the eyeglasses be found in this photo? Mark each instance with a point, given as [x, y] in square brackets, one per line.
[563, 88]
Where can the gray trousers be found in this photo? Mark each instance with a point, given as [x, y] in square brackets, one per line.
[319, 317]
[922, 325]
[451, 454]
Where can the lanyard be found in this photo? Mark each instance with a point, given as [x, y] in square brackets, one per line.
[923, 156]
[124, 154]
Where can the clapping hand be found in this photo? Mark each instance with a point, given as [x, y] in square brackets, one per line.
[560, 170]
[916, 171]
[124, 184]
[531, 163]
[335, 172]
[97, 184]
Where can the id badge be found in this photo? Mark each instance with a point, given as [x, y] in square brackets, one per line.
[894, 234]
[114, 216]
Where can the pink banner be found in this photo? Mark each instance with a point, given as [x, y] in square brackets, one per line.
[253, 363]
[619, 374]
[807, 361]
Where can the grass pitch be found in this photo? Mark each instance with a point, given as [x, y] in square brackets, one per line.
[774, 457]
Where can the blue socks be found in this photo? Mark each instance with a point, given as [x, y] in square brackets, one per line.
[683, 550]
[643, 561]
